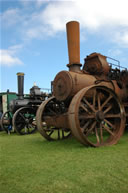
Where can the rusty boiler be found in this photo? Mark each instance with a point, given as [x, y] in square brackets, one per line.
[89, 101]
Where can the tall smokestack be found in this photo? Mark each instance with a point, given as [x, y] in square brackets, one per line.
[73, 40]
[20, 82]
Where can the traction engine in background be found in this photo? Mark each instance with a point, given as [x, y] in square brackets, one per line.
[22, 111]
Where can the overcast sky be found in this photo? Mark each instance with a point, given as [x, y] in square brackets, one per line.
[33, 36]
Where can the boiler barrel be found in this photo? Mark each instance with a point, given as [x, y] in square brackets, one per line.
[66, 84]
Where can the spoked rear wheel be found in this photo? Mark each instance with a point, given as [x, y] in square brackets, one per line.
[96, 116]
[24, 120]
[47, 109]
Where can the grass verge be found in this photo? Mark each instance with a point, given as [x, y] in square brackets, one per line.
[30, 164]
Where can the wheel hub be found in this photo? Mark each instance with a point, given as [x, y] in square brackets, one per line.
[27, 121]
[99, 116]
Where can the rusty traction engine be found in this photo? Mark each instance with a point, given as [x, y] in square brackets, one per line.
[91, 103]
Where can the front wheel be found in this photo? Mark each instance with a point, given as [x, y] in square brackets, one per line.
[6, 122]
[49, 109]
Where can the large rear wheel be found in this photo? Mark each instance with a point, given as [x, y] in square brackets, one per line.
[96, 116]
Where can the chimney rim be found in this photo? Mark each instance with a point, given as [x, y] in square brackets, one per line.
[20, 74]
[72, 22]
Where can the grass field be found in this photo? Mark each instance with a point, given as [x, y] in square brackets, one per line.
[30, 164]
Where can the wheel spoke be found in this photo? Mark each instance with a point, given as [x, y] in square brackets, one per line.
[112, 116]
[97, 136]
[83, 107]
[85, 126]
[91, 128]
[62, 134]
[89, 105]
[106, 101]
[50, 133]
[22, 116]
[107, 129]
[94, 98]
[99, 102]
[30, 119]
[108, 109]
[101, 132]
[58, 133]
[28, 129]
[110, 124]
[91, 116]
[25, 129]
[20, 127]
[52, 111]
[30, 125]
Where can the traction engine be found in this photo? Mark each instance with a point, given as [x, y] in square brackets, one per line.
[88, 101]
[22, 111]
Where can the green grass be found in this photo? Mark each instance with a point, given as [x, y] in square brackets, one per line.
[30, 164]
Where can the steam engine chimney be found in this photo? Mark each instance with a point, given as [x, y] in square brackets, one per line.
[73, 40]
[20, 82]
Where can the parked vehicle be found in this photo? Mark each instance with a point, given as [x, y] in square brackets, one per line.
[89, 101]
